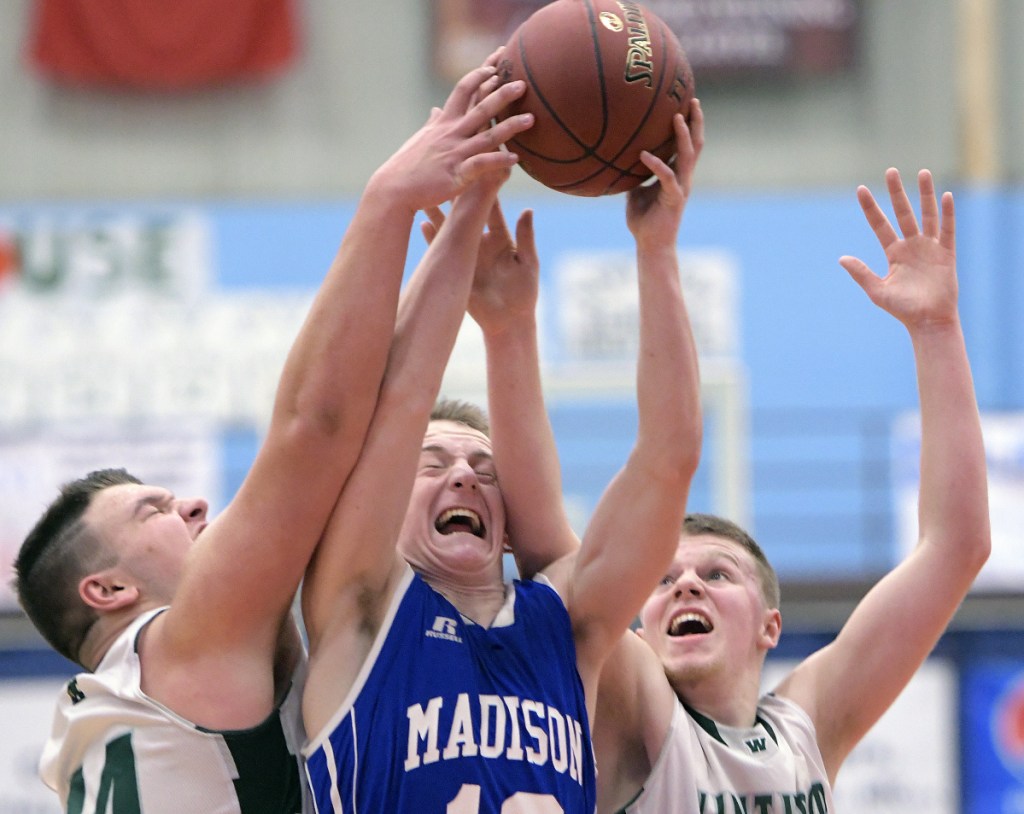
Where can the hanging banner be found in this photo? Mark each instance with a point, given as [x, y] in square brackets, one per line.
[742, 39]
[179, 45]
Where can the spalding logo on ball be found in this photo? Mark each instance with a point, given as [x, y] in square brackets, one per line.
[604, 79]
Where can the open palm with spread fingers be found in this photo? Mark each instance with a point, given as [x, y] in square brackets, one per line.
[920, 287]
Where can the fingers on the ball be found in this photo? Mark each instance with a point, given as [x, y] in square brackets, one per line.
[652, 162]
[486, 89]
[497, 100]
[461, 95]
[477, 166]
[493, 137]
[684, 135]
[687, 149]
[696, 125]
[495, 56]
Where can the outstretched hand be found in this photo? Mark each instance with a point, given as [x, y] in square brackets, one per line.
[920, 287]
[507, 277]
[457, 145]
[654, 211]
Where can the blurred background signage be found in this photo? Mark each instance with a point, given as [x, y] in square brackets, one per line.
[739, 39]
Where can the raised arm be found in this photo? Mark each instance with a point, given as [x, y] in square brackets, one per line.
[849, 684]
[634, 531]
[247, 565]
[356, 567]
[504, 305]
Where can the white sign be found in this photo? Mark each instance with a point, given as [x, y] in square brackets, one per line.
[1004, 452]
[908, 760]
[598, 296]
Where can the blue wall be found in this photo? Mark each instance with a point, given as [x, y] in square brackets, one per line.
[827, 370]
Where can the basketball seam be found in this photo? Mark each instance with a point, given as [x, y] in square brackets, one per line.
[609, 164]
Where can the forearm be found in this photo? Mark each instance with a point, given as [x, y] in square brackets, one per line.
[430, 315]
[359, 545]
[953, 500]
[668, 381]
[323, 407]
[347, 332]
[634, 532]
[524, 446]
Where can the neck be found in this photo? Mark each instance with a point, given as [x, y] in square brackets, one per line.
[731, 701]
[100, 637]
[480, 603]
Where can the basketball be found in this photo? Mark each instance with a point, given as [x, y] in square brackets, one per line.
[604, 79]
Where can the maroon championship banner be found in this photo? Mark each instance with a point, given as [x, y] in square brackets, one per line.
[724, 39]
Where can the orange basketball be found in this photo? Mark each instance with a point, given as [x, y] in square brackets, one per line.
[604, 79]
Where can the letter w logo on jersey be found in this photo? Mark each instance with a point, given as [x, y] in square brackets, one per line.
[444, 628]
[755, 744]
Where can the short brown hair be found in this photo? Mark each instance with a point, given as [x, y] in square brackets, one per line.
[696, 523]
[56, 554]
[462, 412]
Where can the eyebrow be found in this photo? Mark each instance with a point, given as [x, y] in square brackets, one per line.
[153, 499]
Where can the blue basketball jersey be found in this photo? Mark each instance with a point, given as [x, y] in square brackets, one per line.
[447, 717]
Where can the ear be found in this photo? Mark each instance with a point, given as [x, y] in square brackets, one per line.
[771, 628]
[505, 545]
[641, 633]
[107, 591]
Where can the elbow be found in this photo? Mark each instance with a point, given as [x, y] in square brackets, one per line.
[408, 400]
[673, 455]
[980, 550]
[321, 425]
[673, 466]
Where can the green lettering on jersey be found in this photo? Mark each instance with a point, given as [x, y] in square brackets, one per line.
[74, 693]
[269, 780]
[118, 792]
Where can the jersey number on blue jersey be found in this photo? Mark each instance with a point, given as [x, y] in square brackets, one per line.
[467, 801]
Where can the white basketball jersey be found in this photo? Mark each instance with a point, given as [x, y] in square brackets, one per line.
[775, 767]
[114, 749]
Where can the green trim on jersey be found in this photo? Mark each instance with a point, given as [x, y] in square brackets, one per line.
[709, 726]
[261, 789]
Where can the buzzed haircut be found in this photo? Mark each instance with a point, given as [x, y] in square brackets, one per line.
[696, 523]
[54, 557]
[462, 412]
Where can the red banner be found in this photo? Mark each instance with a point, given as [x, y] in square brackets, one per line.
[165, 45]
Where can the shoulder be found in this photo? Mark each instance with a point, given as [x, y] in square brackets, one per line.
[637, 708]
[558, 575]
[784, 709]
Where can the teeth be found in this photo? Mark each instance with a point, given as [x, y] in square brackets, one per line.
[465, 514]
[684, 620]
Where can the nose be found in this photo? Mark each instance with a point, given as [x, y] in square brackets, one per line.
[463, 476]
[688, 583]
[193, 509]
